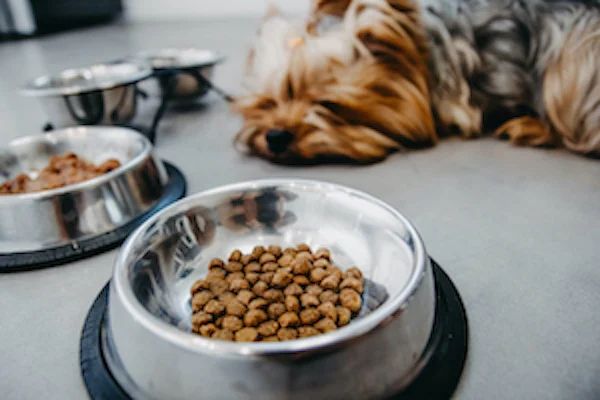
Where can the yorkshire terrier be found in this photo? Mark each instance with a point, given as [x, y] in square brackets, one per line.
[363, 78]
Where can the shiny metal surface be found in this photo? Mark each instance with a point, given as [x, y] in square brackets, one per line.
[374, 356]
[35, 221]
[102, 94]
[186, 65]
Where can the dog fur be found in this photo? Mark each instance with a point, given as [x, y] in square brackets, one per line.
[363, 78]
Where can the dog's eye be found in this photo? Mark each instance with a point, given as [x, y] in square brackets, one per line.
[266, 104]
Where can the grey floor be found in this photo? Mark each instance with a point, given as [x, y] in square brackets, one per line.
[517, 229]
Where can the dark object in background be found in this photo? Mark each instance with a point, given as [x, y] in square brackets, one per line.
[27, 18]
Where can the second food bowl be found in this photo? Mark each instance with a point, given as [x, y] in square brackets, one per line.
[65, 217]
[376, 355]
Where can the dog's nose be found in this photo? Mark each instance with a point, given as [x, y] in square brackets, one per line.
[278, 140]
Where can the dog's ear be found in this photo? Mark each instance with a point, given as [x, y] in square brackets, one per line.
[336, 8]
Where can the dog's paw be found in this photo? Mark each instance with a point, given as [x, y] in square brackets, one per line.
[526, 131]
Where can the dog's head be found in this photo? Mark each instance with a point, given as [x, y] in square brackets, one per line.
[355, 91]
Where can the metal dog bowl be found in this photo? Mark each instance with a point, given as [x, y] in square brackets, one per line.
[376, 355]
[101, 94]
[47, 219]
[183, 74]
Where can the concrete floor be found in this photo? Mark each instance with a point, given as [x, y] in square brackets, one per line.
[517, 229]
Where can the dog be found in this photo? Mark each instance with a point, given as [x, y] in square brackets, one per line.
[361, 79]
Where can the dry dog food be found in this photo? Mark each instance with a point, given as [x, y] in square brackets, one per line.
[273, 295]
[62, 170]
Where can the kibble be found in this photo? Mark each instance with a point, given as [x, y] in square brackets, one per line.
[301, 280]
[293, 289]
[328, 310]
[309, 316]
[352, 283]
[322, 253]
[258, 304]
[216, 263]
[318, 274]
[275, 310]
[214, 307]
[350, 299]
[201, 318]
[232, 323]
[329, 295]
[354, 272]
[270, 267]
[309, 300]
[246, 335]
[282, 278]
[236, 307]
[326, 325]
[287, 334]
[226, 298]
[275, 250]
[331, 282]
[286, 260]
[266, 258]
[315, 290]
[235, 255]
[252, 277]
[252, 267]
[267, 277]
[200, 299]
[245, 296]
[257, 252]
[255, 317]
[218, 286]
[223, 334]
[274, 294]
[301, 266]
[268, 328]
[207, 330]
[306, 331]
[344, 315]
[260, 288]
[288, 319]
[292, 303]
[233, 276]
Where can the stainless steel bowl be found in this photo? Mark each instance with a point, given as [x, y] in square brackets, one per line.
[51, 218]
[185, 69]
[102, 94]
[155, 356]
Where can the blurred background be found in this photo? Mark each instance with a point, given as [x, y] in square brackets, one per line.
[28, 17]
[41, 37]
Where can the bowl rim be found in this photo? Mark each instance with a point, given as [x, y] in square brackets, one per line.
[149, 56]
[35, 88]
[198, 344]
[79, 131]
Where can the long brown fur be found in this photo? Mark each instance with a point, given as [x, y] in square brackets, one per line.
[402, 79]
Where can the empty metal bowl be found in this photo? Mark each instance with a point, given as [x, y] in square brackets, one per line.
[182, 73]
[149, 345]
[52, 218]
[101, 94]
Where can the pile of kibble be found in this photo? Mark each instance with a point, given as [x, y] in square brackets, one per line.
[273, 294]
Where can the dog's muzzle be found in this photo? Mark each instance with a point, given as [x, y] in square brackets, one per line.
[278, 140]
